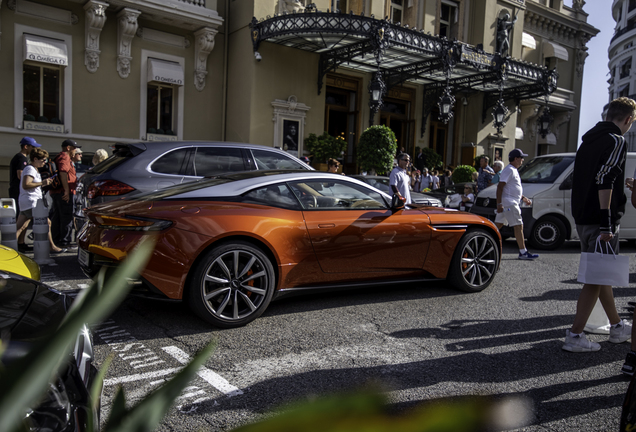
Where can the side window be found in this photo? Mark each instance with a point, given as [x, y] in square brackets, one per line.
[210, 161]
[273, 195]
[173, 162]
[266, 160]
[338, 195]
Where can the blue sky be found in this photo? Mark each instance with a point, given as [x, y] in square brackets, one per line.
[594, 94]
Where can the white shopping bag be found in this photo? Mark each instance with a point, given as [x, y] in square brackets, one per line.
[603, 268]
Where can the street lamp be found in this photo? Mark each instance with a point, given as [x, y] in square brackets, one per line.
[499, 115]
[377, 89]
[544, 122]
[445, 104]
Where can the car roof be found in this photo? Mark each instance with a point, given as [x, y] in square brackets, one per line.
[239, 183]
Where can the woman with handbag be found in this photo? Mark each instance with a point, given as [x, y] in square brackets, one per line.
[30, 192]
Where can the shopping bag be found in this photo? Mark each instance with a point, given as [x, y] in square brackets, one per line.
[603, 267]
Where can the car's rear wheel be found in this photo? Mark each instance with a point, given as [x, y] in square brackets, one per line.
[548, 233]
[475, 261]
[232, 285]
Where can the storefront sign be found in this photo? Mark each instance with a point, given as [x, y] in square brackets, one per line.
[159, 137]
[43, 127]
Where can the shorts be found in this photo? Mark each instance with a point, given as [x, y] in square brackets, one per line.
[27, 213]
[588, 235]
[511, 215]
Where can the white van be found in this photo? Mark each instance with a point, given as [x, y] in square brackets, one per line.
[547, 181]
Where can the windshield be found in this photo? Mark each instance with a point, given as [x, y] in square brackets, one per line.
[544, 169]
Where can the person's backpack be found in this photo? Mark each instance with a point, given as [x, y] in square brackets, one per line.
[50, 171]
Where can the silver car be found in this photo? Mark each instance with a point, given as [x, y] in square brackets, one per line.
[382, 183]
[147, 166]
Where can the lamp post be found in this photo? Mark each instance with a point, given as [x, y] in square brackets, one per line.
[499, 115]
[545, 120]
[445, 104]
[377, 89]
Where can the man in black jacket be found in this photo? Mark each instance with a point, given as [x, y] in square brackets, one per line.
[598, 202]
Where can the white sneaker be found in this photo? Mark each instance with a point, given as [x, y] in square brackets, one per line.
[620, 333]
[579, 343]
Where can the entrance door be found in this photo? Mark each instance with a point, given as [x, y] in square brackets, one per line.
[438, 138]
[341, 115]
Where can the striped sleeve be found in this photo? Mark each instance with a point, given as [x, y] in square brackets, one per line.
[611, 167]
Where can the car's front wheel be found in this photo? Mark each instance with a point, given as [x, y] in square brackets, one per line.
[475, 261]
[232, 285]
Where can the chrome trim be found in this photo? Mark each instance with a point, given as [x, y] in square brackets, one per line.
[450, 227]
[284, 291]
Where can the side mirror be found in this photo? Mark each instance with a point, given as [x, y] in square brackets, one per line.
[397, 202]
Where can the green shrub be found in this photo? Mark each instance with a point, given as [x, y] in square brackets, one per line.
[433, 160]
[376, 150]
[325, 147]
[463, 173]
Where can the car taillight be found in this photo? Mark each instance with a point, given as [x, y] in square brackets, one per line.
[108, 188]
[129, 223]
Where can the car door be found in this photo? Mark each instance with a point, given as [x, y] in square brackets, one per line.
[353, 230]
[169, 168]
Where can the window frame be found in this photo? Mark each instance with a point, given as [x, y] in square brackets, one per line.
[177, 99]
[393, 7]
[453, 23]
[66, 81]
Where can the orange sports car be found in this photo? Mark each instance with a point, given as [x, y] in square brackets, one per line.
[230, 244]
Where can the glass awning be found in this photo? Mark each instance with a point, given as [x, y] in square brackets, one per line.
[403, 55]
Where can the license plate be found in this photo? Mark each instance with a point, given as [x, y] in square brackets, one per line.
[83, 257]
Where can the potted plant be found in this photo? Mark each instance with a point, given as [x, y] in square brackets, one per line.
[463, 173]
[324, 147]
[376, 150]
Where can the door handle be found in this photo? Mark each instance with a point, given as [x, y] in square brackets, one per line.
[326, 225]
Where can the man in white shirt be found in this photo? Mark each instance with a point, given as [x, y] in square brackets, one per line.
[399, 180]
[509, 196]
[427, 180]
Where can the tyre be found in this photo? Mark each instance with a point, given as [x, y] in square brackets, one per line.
[548, 233]
[232, 285]
[475, 261]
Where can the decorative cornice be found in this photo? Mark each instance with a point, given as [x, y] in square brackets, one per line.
[203, 46]
[550, 28]
[126, 29]
[95, 19]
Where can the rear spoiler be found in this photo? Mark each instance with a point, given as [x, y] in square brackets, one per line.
[133, 148]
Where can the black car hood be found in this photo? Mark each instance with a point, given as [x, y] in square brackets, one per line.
[29, 310]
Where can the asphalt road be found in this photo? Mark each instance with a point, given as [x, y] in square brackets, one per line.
[416, 341]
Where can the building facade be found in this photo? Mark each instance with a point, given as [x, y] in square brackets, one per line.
[101, 72]
[622, 54]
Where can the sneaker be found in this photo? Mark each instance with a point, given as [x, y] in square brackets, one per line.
[527, 256]
[579, 343]
[620, 333]
[61, 251]
[630, 364]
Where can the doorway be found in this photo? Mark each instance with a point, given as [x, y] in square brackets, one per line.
[341, 115]
[395, 114]
[438, 138]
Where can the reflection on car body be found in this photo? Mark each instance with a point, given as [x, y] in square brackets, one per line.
[230, 244]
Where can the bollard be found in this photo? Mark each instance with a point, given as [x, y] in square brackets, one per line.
[7, 223]
[41, 245]
[598, 323]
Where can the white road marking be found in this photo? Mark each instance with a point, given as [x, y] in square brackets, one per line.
[141, 376]
[216, 380]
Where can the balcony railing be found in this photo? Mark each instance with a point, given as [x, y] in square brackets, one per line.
[194, 2]
[624, 30]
